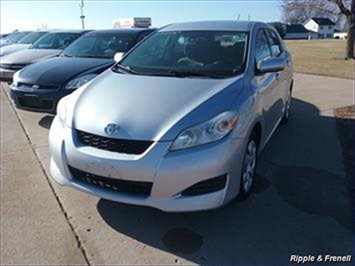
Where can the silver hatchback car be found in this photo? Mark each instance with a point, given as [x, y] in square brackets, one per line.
[177, 124]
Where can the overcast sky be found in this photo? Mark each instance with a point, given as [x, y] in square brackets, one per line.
[29, 15]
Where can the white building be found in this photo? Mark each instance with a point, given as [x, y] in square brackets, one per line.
[132, 23]
[296, 32]
[324, 27]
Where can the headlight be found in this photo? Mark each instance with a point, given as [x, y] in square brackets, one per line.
[80, 81]
[62, 110]
[15, 78]
[206, 132]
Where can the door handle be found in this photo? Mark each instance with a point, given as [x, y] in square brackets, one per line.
[277, 75]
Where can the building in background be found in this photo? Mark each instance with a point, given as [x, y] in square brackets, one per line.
[296, 32]
[323, 27]
[132, 23]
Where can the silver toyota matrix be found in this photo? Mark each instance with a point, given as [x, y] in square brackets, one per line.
[178, 122]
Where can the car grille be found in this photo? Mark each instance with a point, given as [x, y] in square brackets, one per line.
[118, 185]
[38, 87]
[206, 186]
[12, 66]
[34, 102]
[115, 145]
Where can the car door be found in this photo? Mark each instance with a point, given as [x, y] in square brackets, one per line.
[281, 90]
[264, 84]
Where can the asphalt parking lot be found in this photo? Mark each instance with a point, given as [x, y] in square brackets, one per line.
[300, 206]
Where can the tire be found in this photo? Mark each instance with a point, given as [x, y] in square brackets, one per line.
[287, 112]
[249, 167]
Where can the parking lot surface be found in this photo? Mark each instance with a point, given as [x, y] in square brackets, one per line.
[300, 205]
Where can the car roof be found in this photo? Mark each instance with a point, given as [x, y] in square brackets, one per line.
[127, 30]
[222, 25]
[66, 31]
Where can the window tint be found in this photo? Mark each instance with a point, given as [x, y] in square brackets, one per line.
[143, 35]
[55, 40]
[17, 36]
[262, 49]
[274, 41]
[103, 45]
[45, 42]
[219, 52]
[32, 37]
[65, 39]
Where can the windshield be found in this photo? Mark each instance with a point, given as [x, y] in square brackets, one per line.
[189, 53]
[103, 45]
[17, 36]
[55, 40]
[31, 37]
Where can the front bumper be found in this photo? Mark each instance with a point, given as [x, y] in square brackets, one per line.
[40, 100]
[6, 75]
[169, 172]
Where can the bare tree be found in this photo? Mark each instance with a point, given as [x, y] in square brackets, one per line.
[298, 11]
[348, 12]
[341, 12]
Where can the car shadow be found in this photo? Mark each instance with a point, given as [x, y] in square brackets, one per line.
[300, 205]
[46, 121]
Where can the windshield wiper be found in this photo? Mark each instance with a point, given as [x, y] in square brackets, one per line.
[66, 55]
[125, 69]
[189, 73]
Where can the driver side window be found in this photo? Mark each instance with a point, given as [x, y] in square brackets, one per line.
[262, 49]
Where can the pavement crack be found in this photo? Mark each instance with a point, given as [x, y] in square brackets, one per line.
[71, 226]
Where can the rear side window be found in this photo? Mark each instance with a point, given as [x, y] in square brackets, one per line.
[262, 49]
[275, 44]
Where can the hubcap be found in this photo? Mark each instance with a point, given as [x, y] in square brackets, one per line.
[249, 166]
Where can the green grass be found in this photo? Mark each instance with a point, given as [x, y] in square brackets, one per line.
[321, 57]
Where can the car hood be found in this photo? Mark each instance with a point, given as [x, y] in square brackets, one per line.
[13, 48]
[148, 107]
[29, 56]
[59, 70]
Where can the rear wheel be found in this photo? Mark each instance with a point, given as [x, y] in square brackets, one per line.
[249, 167]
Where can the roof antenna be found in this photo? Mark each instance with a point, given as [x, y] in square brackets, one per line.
[82, 17]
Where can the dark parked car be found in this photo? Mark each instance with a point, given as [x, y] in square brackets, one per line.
[40, 86]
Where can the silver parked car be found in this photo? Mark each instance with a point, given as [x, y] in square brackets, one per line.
[22, 44]
[49, 45]
[178, 123]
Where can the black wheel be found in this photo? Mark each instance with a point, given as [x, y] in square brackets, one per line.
[249, 167]
[287, 110]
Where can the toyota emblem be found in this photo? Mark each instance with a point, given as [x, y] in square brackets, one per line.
[112, 129]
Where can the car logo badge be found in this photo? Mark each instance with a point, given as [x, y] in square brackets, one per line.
[112, 129]
[35, 87]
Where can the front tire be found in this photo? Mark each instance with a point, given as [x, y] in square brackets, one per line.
[249, 167]
[287, 111]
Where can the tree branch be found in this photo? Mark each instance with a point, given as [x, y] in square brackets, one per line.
[343, 9]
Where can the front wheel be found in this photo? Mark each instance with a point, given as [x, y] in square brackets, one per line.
[249, 167]
[286, 115]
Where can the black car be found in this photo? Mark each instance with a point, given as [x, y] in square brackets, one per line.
[40, 86]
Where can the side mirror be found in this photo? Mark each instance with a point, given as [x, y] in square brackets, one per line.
[118, 57]
[271, 65]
